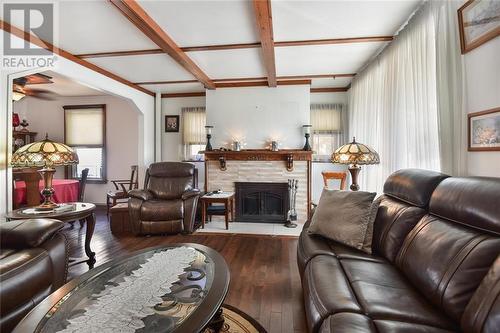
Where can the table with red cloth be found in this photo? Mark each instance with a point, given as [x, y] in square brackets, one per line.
[66, 190]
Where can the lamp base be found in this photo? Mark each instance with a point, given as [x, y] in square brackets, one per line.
[354, 170]
[48, 191]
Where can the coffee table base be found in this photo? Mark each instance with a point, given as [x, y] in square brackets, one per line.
[217, 322]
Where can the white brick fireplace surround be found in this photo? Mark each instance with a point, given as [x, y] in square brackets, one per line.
[261, 166]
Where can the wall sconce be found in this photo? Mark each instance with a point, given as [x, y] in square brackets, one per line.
[222, 163]
[208, 131]
[307, 133]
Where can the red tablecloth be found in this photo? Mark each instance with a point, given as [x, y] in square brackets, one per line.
[66, 190]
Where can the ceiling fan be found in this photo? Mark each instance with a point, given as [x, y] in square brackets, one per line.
[20, 90]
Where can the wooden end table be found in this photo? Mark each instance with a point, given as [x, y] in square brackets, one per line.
[82, 211]
[227, 198]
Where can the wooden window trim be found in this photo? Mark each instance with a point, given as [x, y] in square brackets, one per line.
[104, 178]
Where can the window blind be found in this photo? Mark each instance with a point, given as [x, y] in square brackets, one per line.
[84, 127]
[327, 118]
[193, 125]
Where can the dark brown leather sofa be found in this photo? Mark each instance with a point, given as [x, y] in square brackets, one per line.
[168, 203]
[33, 264]
[435, 265]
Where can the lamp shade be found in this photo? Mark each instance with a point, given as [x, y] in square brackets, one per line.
[45, 153]
[355, 153]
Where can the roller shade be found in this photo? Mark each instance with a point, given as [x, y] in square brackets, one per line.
[193, 125]
[84, 127]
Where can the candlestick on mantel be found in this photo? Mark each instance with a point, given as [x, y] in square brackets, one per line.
[208, 131]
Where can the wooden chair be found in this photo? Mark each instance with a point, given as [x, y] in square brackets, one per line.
[328, 175]
[81, 185]
[122, 186]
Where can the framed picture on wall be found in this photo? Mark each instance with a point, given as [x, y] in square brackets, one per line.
[484, 130]
[478, 22]
[172, 123]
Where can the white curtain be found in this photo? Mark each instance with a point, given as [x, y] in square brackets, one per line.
[399, 104]
[329, 128]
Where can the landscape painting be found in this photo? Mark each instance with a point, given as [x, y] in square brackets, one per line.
[484, 130]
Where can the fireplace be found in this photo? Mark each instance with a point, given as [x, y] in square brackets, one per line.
[261, 202]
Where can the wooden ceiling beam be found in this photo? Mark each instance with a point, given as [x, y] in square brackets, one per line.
[255, 84]
[138, 16]
[333, 41]
[264, 21]
[240, 46]
[54, 49]
[260, 83]
[327, 90]
[260, 78]
[184, 94]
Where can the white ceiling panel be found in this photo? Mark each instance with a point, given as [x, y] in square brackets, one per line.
[63, 86]
[312, 19]
[324, 59]
[97, 26]
[230, 63]
[340, 82]
[175, 88]
[151, 67]
[195, 23]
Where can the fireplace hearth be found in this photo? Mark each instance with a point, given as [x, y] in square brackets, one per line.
[261, 202]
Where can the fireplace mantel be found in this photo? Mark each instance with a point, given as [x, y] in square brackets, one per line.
[259, 155]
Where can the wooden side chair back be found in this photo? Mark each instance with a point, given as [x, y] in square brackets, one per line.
[122, 186]
[82, 183]
[329, 175]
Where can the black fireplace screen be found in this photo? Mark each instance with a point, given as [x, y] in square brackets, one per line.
[261, 202]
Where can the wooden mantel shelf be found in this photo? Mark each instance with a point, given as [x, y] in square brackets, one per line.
[259, 155]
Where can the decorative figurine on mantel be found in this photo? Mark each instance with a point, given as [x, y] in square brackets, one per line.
[292, 197]
[24, 124]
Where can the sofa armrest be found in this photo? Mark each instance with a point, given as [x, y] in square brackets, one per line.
[28, 233]
[143, 195]
[189, 194]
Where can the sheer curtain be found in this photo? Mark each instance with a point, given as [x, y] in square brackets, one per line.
[193, 131]
[399, 104]
[329, 128]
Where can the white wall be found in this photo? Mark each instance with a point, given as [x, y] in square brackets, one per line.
[258, 115]
[338, 97]
[122, 133]
[482, 84]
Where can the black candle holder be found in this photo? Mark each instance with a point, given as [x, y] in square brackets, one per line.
[307, 145]
[208, 147]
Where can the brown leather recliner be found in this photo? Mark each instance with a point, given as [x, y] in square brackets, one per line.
[33, 264]
[168, 202]
[435, 265]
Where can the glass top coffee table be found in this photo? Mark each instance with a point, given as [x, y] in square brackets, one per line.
[178, 288]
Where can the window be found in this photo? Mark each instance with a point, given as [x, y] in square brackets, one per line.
[85, 132]
[328, 129]
[193, 132]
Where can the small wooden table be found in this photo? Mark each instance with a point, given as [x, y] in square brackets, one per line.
[227, 198]
[82, 211]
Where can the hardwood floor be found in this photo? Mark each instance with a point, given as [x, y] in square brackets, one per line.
[265, 281]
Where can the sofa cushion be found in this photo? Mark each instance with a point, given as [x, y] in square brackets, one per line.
[328, 291]
[27, 233]
[413, 186]
[344, 216]
[394, 221]
[353, 322]
[446, 261]
[161, 210]
[375, 289]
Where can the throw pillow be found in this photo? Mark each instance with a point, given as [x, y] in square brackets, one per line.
[345, 217]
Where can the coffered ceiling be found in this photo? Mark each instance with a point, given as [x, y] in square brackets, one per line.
[223, 40]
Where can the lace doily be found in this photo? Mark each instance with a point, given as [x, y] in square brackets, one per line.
[120, 307]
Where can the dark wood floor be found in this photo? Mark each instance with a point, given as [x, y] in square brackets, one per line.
[265, 281]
